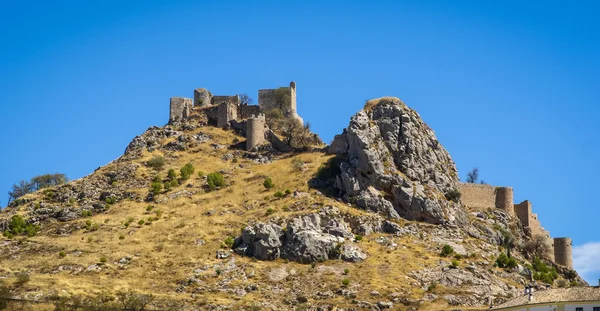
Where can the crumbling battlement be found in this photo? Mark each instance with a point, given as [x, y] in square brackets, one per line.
[228, 111]
[478, 197]
[180, 109]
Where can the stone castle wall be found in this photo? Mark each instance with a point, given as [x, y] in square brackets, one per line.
[255, 131]
[247, 111]
[504, 199]
[523, 212]
[563, 252]
[267, 100]
[477, 197]
[179, 109]
[227, 111]
[202, 98]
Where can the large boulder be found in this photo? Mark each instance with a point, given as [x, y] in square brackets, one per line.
[394, 164]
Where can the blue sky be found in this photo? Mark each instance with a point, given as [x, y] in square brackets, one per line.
[510, 87]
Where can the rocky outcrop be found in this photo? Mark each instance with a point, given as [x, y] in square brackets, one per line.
[393, 164]
[310, 238]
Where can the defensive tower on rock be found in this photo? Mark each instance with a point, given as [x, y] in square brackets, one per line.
[180, 108]
[563, 252]
[504, 199]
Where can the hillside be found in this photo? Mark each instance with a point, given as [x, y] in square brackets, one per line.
[325, 234]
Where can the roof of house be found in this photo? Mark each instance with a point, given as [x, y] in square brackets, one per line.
[554, 295]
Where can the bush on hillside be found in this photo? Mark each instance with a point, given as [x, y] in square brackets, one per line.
[215, 180]
[157, 163]
[268, 183]
[446, 250]
[187, 171]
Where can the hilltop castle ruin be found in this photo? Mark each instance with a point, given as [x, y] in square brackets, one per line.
[481, 197]
[229, 112]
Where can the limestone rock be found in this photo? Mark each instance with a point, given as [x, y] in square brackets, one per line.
[393, 164]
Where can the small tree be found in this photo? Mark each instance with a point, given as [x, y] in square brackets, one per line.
[215, 180]
[245, 99]
[187, 171]
[268, 183]
[536, 247]
[473, 176]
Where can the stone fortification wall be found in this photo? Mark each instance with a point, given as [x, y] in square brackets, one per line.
[227, 111]
[232, 100]
[180, 109]
[202, 98]
[563, 252]
[268, 99]
[477, 197]
[504, 199]
[255, 131]
[523, 212]
[247, 111]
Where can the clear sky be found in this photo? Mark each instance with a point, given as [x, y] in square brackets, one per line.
[510, 87]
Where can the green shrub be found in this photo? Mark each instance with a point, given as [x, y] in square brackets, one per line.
[269, 211]
[156, 188]
[157, 163]
[187, 171]
[346, 271]
[103, 259]
[229, 241]
[431, 287]
[86, 213]
[62, 254]
[446, 250]
[121, 236]
[141, 222]
[110, 200]
[455, 263]
[158, 214]
[453, 195]
[512, 263]
[358, 237]
[215, 180]
[200, 174]
[18, 226]
[502, 261]
[149, 208]
[157, 178]
[22, 278]
[279, 194]
[268, 183]
[288, 191]
[346, 282]
[171, 174]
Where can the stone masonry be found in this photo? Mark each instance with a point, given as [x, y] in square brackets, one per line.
[202, 98]
[563, 252]
[504, 199]
[255, 131]
[180, 109]
[227, 111]
[269, 99]
[478, 197]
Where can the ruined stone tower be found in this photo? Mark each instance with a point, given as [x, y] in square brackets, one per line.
[255, 131]
[202, 98]
[227, 111]
[180, 108]
[563, 252]
[283, 98]
[504, 199]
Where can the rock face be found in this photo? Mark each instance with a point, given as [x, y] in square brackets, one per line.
[394, 164]
[310, 238]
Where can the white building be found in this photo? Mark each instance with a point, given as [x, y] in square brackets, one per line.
[559, 299]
